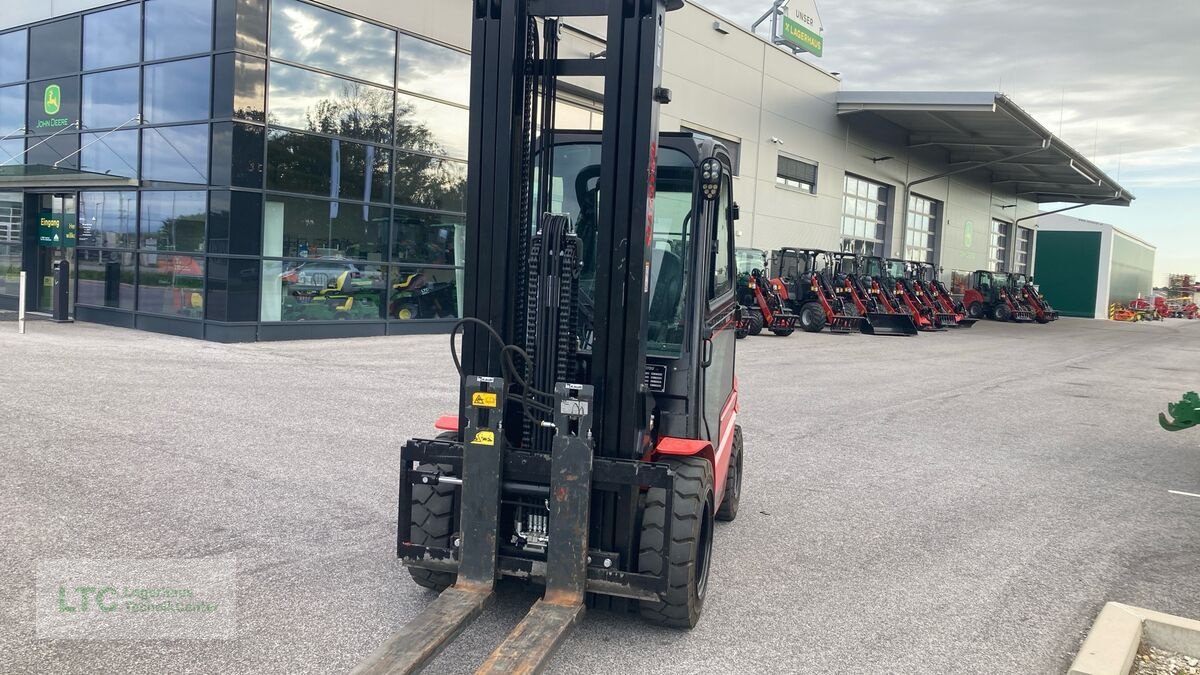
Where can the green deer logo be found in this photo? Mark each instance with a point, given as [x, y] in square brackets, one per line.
[52, 100]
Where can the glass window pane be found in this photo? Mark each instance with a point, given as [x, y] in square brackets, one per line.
[112, 37]
[425, 293]
[177, 91]
[433, 70]
[433, 238]
[310, 101]
[104, 278]
[175, 154]
[235, 222]
[432, 127]
[430, 182]
[249, 88]
[327, 167]
[108, 219]
[110, 99]
[296, 227]
[322, 290]
[237, 155]
[11, 151]
[232, 290]
[173, 221]
[171, 284]
[62, 148]
[330, 41]
[177, 28]
[52, 105]
[10, 266]
[54, 48]
[113, 153]
[13, 53]
[12, 109]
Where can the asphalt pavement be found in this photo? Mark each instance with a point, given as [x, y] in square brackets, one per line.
[961, 502]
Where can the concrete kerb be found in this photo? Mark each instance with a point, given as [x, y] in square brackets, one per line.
[1113, 641]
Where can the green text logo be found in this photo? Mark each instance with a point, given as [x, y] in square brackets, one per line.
[52, 101]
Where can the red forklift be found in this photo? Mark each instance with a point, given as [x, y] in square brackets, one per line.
[1023, 287]
[596, 440]
[987, 295]
[799, 277]
[761, 305]
[925, 278]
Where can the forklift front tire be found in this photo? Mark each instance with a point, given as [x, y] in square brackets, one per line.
[679, 544]
[433, 521]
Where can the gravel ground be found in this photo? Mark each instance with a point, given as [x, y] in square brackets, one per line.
[963, 502]
[1155, 661]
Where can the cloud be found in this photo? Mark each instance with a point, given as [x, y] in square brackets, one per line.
[1118, 77]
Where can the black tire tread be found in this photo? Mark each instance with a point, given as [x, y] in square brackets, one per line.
[693, 490]
[432, 525]
[729, 507]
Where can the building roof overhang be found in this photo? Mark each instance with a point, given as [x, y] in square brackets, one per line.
[988, 132]
[43, 176]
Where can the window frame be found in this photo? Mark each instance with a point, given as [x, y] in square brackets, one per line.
[785, 182]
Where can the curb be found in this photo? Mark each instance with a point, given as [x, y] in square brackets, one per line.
[1119, 630]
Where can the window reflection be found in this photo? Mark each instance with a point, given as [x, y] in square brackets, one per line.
[418, 293]
[309, 101]
[112, 37]
[430, 182]
[235, 222]
[173, 221]
[433, 238]
[171, 284]
[237, 155]
[13, 52]
[232, 289]
[12, 109]
[177, 91]
[330, 41]
[104, 278]
[432, 127]
[175, 154]
[54, 48]
[433, 70]
[62, 149]
[110, 99]
[108, 219]
[317, 165]
[249, 88]
[178, 28]
[113, 153]
[295, 227]
[11, 151]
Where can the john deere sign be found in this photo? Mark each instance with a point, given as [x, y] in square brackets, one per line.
[52, 105]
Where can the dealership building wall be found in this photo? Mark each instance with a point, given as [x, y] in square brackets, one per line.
[1083, 266]
[809, 173]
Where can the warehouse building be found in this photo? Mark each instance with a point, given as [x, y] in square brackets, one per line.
[1084, 266]
[236, 170]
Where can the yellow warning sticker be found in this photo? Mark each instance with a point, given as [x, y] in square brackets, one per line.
[482, 399]
[484, 437]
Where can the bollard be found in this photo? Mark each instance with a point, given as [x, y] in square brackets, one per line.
[61, 291]
[21, 305]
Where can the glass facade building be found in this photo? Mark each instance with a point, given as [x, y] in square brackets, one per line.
[235, 169]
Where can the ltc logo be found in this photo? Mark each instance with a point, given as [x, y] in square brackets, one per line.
[52, 100]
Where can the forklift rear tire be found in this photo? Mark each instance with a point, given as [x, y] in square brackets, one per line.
[433, 522]
[684, 555]
[756, 322]
[812, 318]
[976, 310]
[733, 480]
[1001, 313]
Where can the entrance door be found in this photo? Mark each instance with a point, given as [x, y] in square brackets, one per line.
[56, 220]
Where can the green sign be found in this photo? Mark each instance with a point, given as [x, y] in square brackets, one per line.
[968, 234]
[56, 229]
[52, 99]
[799, 35]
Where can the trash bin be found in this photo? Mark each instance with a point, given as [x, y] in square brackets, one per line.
[61, 292]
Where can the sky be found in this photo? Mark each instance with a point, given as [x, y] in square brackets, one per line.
[1118, 81]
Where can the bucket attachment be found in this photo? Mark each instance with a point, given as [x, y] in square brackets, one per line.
[882, 323]
[949, 319]
[1022, 316]
[967, 322]
[843, 323]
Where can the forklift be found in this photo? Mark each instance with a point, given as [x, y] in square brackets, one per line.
[798, 277]
[761, 305]
[987, 295]
[1023, 287]
[596, 441]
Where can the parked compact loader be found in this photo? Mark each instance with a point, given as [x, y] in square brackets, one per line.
[1023, 287]
[799, 276]
[987, 295]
